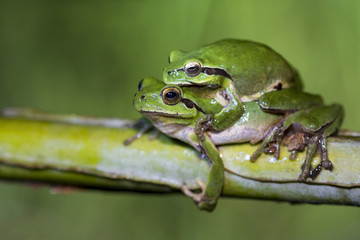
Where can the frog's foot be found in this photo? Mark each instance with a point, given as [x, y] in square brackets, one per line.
[271, 142]
[143, 126]
[307, 170]
[197, 197]
[293, 154]
[200, 199]
[295, 143]
[202, 125]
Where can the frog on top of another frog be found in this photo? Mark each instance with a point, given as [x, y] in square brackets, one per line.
[238, 71]
[176, 110]
[244, 69]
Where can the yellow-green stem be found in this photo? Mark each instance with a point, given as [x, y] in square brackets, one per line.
[90, 153]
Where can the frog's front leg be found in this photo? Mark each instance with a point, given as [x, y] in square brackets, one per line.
[211, 191]
[230, 113]
[143, 126]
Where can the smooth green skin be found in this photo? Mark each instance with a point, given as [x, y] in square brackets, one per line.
[213, 103]
[254, 69]
[310, 114]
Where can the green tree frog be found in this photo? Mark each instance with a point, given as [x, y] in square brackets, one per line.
[176, 112]
[243, 69]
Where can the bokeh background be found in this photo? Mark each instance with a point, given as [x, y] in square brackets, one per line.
[86, 57]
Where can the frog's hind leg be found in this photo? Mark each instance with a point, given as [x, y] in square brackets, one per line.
[307, 169]
[320, 141]
[284, 102]
[273, 135]
[317, 123]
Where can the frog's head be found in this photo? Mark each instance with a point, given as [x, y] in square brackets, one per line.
[163, 103]
[201, 67]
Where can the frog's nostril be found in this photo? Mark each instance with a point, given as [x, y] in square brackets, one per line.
[143, 96]
[169, 72]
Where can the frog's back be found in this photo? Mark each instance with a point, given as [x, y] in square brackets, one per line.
[254, 67]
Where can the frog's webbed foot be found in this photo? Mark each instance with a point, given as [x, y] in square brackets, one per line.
[271, 142]
[144, 126]
[307, 170]
[295, 142]
[201, 200]
[202, 125]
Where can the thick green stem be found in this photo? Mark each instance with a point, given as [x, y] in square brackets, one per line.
[89, 152]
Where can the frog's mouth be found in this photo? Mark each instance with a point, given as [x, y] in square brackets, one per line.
[188, 103]
[162, 114]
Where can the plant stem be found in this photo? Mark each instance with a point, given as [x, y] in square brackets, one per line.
[89, 152]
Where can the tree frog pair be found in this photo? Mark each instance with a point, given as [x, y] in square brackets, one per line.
[237, 91]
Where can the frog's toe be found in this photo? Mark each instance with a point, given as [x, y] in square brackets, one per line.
[202, 125]
[197, 197]
[306, 173]
[327, 164]
[202, 201]
[293, 154]
[143, 127]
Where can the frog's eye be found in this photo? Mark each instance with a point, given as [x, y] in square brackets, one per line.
[192, 69]
[140, 85]
[171, 95]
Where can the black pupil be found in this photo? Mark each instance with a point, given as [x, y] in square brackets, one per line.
[171, 94]
[193, 68]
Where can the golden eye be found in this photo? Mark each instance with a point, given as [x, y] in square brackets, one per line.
[171, 95]
[192, 69]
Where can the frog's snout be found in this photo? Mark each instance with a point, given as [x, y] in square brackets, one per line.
[142, 96]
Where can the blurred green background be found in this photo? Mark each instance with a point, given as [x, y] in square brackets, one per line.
[87, 57]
